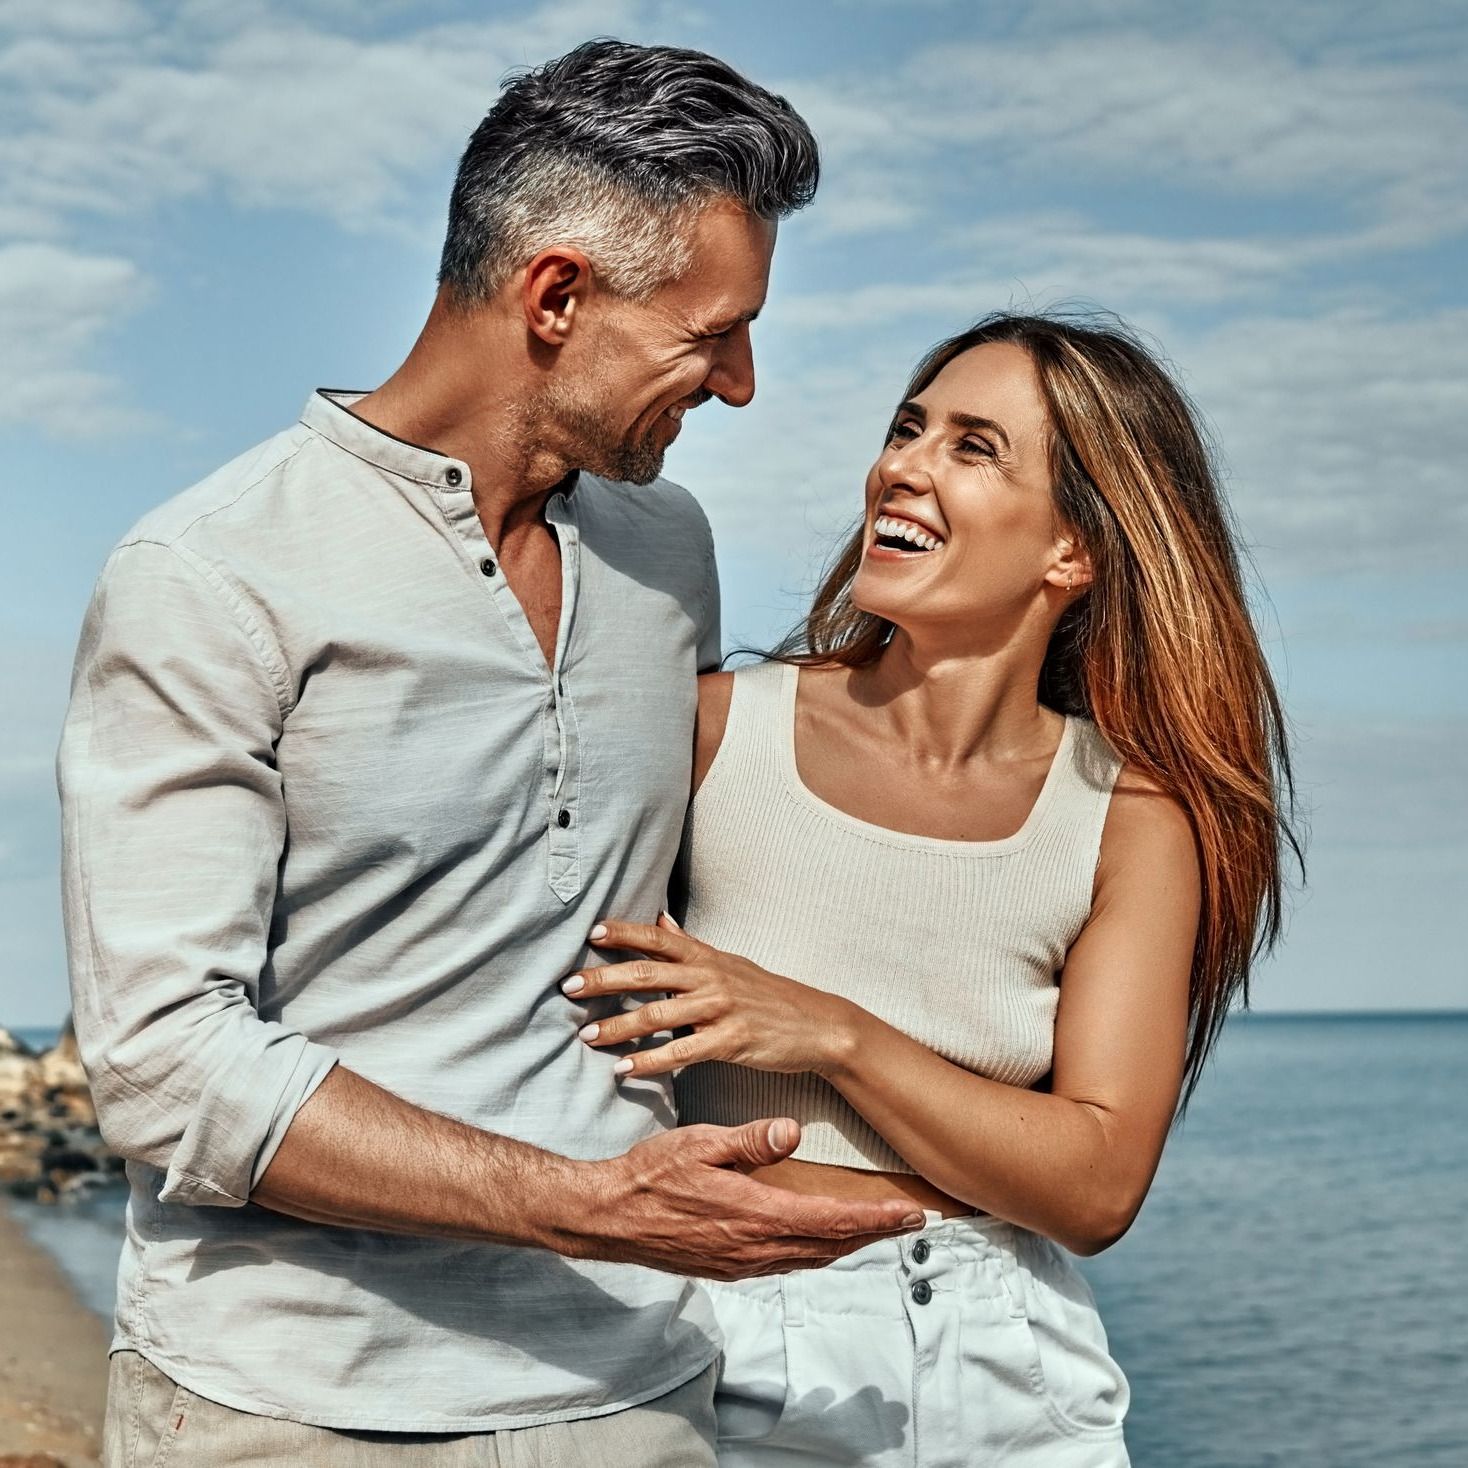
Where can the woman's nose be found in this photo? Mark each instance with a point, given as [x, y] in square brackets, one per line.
[905, 465]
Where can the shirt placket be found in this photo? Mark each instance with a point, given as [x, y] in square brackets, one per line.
[562, 736]
[561, 755]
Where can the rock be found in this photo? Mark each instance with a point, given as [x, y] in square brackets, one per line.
[61, 1067]
[20, 1075]
[50, 1146]
[20, 1159]
[12, 1045]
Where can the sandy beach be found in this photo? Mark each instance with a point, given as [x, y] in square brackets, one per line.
[53, 1361]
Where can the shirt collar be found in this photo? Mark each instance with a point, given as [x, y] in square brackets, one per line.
[328, 411]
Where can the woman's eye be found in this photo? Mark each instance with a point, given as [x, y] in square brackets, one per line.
[902, 431]
[976, 446]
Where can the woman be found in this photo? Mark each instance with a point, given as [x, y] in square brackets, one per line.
[975, 872]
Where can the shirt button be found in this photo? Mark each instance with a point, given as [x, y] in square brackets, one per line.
[564, 819]
[920, 1251]
[487, 566]
[922, 1292]
[453, 476]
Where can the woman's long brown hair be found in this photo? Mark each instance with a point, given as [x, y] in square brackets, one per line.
[1160, 652]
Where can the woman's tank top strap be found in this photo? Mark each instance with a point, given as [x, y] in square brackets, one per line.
[1084, 795]
[750, 753]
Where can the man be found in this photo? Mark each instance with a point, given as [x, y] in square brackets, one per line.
[368, 730]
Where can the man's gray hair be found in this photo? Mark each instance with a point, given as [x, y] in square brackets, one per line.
[614, 149]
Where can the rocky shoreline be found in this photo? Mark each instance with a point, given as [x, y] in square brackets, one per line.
[53, 1348]
[50, 1147]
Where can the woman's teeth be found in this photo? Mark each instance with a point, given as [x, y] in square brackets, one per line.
[887, 528]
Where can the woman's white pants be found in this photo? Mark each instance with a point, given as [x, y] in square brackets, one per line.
[973, 1344]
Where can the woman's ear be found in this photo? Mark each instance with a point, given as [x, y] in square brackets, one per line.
[1071, 569]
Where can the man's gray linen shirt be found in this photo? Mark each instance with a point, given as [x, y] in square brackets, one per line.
[325, 801]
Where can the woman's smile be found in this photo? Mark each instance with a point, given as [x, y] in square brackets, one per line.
[897, 538]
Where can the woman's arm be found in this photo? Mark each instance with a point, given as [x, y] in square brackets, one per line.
[1076, 1163]
[715, 692]
[1073, 1163]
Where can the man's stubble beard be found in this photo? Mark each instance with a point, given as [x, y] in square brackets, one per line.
[564, 420]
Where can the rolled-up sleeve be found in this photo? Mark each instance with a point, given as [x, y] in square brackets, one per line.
[173, 827]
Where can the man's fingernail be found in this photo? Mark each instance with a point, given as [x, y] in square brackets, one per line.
[914, 1220]
[589, 1032]
[621, 1067]
[597, 933]
[573, 985]
[780, 1135]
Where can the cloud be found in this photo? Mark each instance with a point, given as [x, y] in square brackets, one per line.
[109, 110]
[1047, 258]
[55, 305]
[278, 113]
[74, 19]
[1384, 140]
[1345, 433]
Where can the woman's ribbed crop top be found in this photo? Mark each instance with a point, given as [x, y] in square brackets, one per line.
[957, 943]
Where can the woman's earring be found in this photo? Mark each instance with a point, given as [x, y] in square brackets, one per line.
[1070, 577]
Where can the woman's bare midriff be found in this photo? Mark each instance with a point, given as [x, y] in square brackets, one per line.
[832, 1181]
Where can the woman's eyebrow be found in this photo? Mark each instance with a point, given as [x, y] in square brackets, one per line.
[959, 420]
[972, 420]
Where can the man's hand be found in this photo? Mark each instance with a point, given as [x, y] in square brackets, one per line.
[359, 1157]
[680, 1202]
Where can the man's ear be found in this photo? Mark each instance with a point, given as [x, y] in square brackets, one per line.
[1070, 570]
[552, 287]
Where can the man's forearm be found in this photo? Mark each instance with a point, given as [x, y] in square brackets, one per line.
[359, 1157]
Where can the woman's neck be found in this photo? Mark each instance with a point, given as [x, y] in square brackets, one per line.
[950, 708]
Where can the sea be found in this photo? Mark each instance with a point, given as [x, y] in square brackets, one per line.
[1295, 1292]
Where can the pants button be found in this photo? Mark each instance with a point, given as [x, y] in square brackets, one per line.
[922, 1292]
[920, 1251]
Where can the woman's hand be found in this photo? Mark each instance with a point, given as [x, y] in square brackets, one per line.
[736, 1010]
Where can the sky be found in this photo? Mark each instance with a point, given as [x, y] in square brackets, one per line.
[207, 209]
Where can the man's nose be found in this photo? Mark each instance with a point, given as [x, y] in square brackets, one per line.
[731, 378]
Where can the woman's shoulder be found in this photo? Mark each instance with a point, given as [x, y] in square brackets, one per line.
[1148, 832]
[761, 691]
[715, 699]
[715, 694]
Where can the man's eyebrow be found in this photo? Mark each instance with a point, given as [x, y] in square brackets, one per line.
[959, 420]
[743, 319]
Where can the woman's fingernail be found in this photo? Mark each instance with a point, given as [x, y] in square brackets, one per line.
[914, 1220]
[589, 1032]
[573, 985]
[621, 1067]
[598, 932]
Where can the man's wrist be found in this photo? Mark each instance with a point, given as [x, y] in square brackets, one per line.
[572, 1207]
